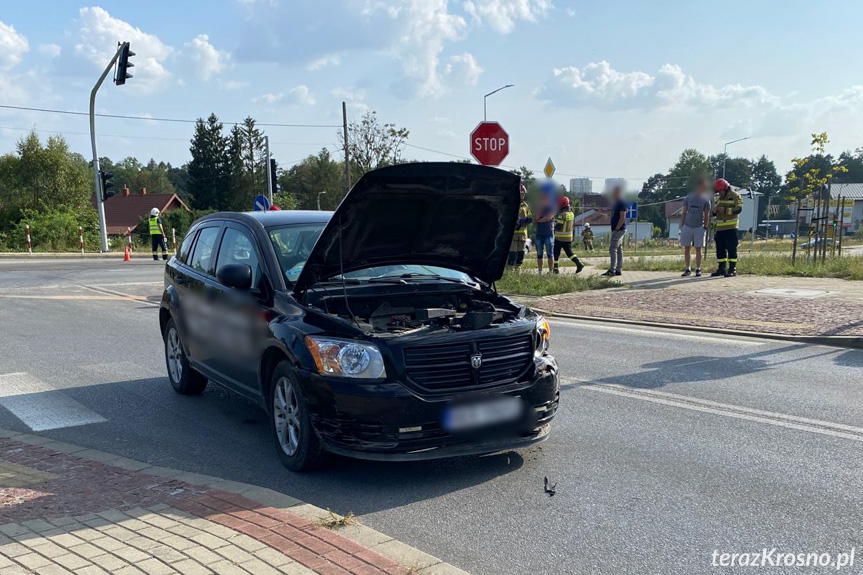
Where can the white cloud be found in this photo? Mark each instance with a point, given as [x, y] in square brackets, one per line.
[98, 34]
[324, 61]
[50, 50]
[13, 46]
[298, 96]
[415, 33]
[348, 93]
[301, 96]
[502, 15]
[270, 98]
[203, 58]
[463, 69]
[598, 84]
[234, 84]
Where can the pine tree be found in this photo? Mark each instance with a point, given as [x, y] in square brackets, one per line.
[208, 172]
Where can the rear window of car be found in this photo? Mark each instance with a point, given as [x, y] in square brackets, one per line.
[203, 257]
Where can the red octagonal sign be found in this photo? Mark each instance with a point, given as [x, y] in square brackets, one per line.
[489, 143]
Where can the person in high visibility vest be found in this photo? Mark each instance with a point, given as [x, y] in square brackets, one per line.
[157, 235]
[564, 225]
[726, 213]
[587, 237]
[519, 238]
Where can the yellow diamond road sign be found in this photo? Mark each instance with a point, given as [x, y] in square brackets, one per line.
[548, 170]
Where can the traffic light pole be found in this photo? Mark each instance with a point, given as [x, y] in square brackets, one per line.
[100, 204]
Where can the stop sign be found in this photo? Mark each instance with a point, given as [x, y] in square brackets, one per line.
[489, 143]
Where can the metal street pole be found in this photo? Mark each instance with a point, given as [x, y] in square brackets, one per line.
[725, 153]
[100, 205]
[484, 108]
[347, 153]
[319, 200]
[269, 179]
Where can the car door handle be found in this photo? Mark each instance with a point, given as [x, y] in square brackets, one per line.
[181, 281]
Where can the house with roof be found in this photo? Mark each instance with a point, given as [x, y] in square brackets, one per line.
[851, 193]
[125, 210]
[673, 211]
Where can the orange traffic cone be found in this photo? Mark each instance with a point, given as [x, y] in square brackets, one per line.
[127, 256]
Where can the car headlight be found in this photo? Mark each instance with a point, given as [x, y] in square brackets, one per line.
[543, 330]
[346, 358]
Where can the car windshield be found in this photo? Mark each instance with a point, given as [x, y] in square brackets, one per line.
[294, 243]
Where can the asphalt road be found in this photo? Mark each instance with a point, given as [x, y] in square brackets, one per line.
[668, 445]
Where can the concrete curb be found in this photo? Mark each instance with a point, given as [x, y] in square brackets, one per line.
[416, 561]
[59, 255]
[850, 342]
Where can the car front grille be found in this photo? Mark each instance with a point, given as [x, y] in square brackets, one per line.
[447, 366]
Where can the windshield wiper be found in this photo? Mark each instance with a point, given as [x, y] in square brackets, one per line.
[414, 275]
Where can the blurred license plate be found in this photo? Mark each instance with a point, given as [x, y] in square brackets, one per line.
[482, 414]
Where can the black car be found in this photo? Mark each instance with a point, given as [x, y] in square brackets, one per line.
[374, 331]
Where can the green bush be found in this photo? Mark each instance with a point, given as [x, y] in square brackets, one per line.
[53, 230]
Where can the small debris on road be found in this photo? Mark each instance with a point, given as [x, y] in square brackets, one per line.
[549, 490]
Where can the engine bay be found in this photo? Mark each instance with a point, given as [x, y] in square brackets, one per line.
[400, 314]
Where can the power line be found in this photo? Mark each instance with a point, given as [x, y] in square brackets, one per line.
[175, 120]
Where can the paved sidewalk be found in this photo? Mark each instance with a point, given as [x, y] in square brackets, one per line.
[68, 510]
[826, 307]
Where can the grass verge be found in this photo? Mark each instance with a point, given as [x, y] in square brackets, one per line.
[847, 267]
[521, 283]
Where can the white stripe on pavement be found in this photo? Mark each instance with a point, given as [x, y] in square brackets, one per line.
[716, 339]
[41, 407]
[727, 410]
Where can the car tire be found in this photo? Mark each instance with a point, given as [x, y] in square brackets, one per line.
[296, 443]
[184, 379]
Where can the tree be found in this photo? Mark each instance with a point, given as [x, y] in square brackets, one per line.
[315, 174]
[853, 163]
[811, 174]
[208, 176]
[374, 145]
[765, 180]
[526, 175]
[738, 171]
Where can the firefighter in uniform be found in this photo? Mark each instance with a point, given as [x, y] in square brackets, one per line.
[726, 214]
[157, 235]
[516, 248]
[587, 237]
[564, 224]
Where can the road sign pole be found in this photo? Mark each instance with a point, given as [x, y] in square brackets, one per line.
[100, 204]
[269, 179]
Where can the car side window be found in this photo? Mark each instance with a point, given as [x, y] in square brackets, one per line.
[238, 248]
[202, 259]
[186, 246]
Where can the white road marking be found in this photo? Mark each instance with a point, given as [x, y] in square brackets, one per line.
[41, 407]
[715, 340]
[725, 409]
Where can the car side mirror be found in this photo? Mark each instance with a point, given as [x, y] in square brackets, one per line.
[238, 276]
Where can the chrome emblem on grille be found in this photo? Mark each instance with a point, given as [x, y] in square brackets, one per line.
[476, 360]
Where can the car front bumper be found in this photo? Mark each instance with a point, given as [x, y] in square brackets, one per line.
[388, 421]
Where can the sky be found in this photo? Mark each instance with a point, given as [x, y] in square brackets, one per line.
[606, 89]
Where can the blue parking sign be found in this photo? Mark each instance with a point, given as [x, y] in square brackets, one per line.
[261, 204]
[632, 211]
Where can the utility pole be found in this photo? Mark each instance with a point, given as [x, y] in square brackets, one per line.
[269, 179]
[347, 152]
[725, 153]
[100, 199]
[319, 200]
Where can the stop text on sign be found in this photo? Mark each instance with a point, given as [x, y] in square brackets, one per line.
[489, 143]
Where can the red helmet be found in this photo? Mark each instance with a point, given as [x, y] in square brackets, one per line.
[563, 201]
[522, 189]
[721, 185]
[275, 208]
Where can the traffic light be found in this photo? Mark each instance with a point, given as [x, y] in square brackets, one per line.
[273, 178]
[123, 65]
[107, 184]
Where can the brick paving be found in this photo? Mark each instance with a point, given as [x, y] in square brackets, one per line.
[666, 297]
[61, 514]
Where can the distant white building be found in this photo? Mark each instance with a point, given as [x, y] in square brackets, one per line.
[580, 186]
[611, 183]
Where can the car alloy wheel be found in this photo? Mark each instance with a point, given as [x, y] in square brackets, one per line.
[286, 413]
[174, 352]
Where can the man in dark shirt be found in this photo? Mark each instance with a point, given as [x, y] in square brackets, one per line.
[618, 232]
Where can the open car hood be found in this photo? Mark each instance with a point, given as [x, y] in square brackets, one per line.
[452, 215]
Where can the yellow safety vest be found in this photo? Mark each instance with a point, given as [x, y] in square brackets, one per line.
[154, 226]
[727, 211]
[563, 225]
[523, 212]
